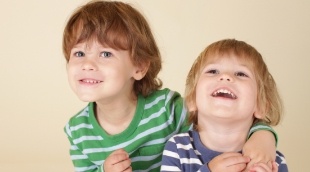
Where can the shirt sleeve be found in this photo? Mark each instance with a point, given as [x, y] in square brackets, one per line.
[262, 126]
[80, 161]
[281, 162]
[170, 158]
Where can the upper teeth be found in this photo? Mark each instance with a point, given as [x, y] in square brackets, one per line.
[91, 81]
[224, 91]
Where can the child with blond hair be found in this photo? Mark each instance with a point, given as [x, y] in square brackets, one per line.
[228, 89]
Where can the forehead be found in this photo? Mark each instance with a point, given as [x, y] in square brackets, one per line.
[217, 57]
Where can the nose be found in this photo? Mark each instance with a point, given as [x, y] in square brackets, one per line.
[89, 64]
[226, 77]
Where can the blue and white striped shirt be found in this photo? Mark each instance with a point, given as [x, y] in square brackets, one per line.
[185, 152]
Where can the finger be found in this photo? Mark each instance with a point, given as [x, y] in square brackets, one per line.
[236, 167]
[236, 159]
[261, 167]
[118, 156]
[274, 166]
[230, 162]
[129, 169]
[255, 161]
[122, 166]
[251, 164]
[269, 164]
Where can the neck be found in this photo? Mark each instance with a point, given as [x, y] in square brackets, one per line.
[115, 117]
[228, 137]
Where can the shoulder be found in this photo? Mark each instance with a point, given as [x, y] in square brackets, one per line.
[166, 92]
[178, 141]
[164, 108]
[280, 157]
[163, 98]
[82, 116]
[183, 138]
[79, 121]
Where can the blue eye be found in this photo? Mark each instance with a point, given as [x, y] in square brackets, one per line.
[79, 54]
[241, 74]
[213, 71]
[106, 54]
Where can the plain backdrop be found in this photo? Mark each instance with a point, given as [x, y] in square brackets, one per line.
[36, 101]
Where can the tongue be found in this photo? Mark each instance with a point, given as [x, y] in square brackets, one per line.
[225, 95]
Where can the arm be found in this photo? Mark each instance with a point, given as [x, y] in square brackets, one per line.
[261, 145]
[80, 161]
[170, 159]
[274, 166]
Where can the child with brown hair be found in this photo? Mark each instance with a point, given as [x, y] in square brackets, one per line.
[228, 89]
[112, 63]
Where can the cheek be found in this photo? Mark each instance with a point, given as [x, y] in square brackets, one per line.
[202, 93]
[204, 86]
[252, 97]
[255, 92]
[72, 67]
[71, 73]
[251, 89]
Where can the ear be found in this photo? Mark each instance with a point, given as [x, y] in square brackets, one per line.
[191, 106]
[259, 114]
[140, 71]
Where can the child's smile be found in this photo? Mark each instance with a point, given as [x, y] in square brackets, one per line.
[89, 81]
[96, 72]
[227, 88]
[224, 93]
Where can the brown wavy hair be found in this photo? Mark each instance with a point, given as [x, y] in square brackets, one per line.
[268, 99]
[120, 26]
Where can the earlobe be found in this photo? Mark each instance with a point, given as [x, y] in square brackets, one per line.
[138, 75]
[140, 72]
[258, 114]
[191, 106]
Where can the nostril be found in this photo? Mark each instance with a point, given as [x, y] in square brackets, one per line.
[225, 79]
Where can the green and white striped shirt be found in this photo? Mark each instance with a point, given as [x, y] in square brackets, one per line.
[157, 118]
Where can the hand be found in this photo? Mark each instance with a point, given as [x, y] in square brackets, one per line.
[117, 161]
[228, 162]
[260, 148]
[263, 167]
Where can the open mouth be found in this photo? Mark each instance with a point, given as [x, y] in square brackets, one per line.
[90, 81]
[224, 93]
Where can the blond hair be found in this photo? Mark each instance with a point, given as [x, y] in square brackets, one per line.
[268, 99]
[119, 26]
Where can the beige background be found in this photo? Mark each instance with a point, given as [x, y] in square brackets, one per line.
[36, 101]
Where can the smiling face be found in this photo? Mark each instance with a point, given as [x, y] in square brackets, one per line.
[98, 73]
[119, 26]
[241, 65]
[227, 89]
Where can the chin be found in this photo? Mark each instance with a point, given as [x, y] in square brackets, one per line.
[86, 98]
